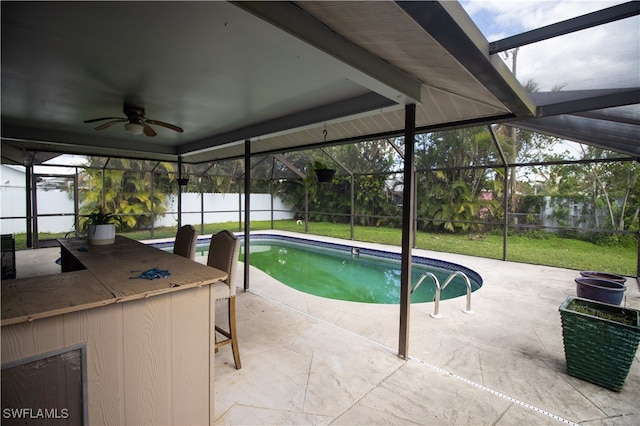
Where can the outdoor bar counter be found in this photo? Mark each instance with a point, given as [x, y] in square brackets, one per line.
[148, 342]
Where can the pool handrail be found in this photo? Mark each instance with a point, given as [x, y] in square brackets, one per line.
[422, 278]
[439, 288]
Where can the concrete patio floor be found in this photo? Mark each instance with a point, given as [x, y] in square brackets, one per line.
[310, 360]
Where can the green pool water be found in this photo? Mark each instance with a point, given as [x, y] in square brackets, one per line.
[338, 275]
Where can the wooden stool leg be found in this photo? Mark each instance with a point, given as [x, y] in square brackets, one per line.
[232, 331]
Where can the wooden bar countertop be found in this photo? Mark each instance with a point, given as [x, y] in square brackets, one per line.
[108, 278]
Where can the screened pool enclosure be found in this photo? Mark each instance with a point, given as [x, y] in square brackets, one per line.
[520, 121]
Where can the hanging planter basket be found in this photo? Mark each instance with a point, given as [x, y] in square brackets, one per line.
[600, 341]
[325, 175]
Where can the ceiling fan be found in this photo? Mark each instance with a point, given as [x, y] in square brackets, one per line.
[135, 122]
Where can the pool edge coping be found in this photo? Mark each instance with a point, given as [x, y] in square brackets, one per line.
[326, 242]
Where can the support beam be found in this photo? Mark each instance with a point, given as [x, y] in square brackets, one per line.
[61, 141]
[247, 210]
[505, 201]
[201, 205]
[289, 165]
[408, 201]
[76, 205]
[584, 101]
[152, 190]
[179, 192]
[589, 20]
[606, 135]
[448, 24]
[271, 178]
[343, 108]
[30, 189]
[638, 261]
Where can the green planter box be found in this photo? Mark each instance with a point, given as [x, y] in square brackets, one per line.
[600, 341]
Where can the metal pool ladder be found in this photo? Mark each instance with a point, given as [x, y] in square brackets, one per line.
[439, 288]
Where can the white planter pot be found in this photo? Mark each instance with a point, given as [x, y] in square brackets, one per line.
[100, 235]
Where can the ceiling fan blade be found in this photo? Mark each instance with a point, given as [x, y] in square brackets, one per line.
[163, 124]
[148, 130]
[93, 120]
[110, 123]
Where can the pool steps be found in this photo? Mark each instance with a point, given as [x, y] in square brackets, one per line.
[439, 288]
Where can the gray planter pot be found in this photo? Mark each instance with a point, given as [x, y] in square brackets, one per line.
[604, 276]
[100, 235]
[605, 291]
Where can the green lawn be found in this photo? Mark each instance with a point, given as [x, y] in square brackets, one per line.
[550, 251]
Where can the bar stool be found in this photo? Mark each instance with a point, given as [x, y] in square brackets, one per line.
[223, 254]
[185, 242]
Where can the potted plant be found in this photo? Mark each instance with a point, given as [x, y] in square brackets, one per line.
[600, 340]
[323, 173]
[101, 227]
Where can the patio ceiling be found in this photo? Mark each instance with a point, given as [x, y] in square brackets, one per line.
[275, 73]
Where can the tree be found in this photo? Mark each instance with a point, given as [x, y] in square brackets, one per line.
[611, 187]
[523, 146]
[450, 190]
[127, 190]
[615, 186]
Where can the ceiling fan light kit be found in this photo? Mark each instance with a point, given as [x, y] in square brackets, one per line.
[134, 128]
[135, 122]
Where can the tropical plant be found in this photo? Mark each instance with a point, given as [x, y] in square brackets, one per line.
[319, 165]
[451, 193]
[126, 190]
[100, 217]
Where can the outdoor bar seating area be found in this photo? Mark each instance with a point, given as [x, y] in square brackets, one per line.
[105, 284]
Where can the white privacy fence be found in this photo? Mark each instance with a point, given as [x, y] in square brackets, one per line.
[217, 208]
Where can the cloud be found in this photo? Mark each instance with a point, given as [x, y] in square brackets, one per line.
[520, 16]
[606, 56]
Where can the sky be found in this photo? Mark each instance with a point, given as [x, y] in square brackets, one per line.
[606, 56]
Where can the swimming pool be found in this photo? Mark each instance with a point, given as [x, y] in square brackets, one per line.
[346, 272]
